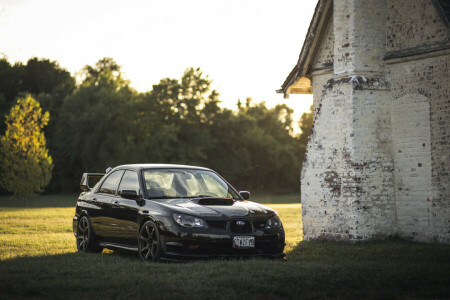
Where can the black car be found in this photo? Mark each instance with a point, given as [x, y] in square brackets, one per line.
[173, 212]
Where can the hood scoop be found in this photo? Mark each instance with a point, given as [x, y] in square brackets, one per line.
[214, 201]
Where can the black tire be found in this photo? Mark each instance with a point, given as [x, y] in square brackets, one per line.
[149, 245]
[86, 241]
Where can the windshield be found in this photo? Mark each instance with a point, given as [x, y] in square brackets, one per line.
[186, 183]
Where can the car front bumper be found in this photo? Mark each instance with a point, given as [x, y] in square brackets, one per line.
[180, 244]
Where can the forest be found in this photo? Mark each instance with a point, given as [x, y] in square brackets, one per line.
[97, 120]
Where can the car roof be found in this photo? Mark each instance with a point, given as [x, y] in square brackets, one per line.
[158, 166]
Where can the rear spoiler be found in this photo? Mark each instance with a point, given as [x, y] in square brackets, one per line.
[89, 180]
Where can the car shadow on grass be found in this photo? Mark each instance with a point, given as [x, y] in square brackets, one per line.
[392, 269]
[122, 275]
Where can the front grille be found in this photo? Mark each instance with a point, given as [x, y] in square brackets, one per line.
[245, 227]
[217, 224]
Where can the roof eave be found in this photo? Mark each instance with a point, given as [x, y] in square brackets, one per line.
[303, 66]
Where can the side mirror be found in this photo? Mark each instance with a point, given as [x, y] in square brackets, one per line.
[245, 195]
[129, 194]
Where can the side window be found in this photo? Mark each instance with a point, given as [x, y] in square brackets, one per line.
[129, 182]
[109, 186]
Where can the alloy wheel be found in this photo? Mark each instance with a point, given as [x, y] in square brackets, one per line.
[149, 242]
[83, 235]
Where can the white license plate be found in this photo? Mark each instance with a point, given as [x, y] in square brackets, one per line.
[244, 242]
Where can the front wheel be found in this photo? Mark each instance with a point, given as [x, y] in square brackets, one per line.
[149, 247]
[85, 237]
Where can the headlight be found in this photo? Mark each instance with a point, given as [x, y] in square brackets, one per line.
[189, 221]
[274, 222]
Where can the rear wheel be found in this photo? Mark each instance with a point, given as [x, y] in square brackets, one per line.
[149, 247]
[85, 237]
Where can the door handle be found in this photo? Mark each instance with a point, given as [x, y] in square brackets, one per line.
[115, 204]
[94, 199]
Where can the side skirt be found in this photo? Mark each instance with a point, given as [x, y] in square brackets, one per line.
[118, 246]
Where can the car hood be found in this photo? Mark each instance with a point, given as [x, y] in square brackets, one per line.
[219, 207]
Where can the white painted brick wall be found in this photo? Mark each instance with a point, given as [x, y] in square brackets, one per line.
[378, 156]
[421, 88]
[412, 152]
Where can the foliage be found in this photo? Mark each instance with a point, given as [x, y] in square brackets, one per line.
[95, 127]
[103, 122]
[25, 164]
[254, 148]
[10, 78]
[45, 80]
[9, 88]
[106, 72]
[42, 78]
[306, 125]
[174, 119]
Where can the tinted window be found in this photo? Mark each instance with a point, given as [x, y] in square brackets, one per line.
[174, 183]
[129, 182]
[93, 180]
[215, 185]
[109, 186]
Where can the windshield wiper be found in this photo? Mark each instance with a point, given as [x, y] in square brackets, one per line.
[164, 197]
[196, 196]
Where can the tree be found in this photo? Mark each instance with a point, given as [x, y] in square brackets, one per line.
[254, 149]
[306, 125]
[45, 80]
[10, 80]
[176, 115]
[96, 126]
[26, 166]
[37, 77]
[106, 72]
[42, 76]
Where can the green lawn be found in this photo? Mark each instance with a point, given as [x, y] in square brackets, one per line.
[38, 259]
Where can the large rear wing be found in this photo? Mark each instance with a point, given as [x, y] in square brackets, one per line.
[89, 180]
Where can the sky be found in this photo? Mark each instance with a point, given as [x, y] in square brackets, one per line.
[246, 47]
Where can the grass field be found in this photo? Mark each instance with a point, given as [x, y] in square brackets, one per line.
[38, 259]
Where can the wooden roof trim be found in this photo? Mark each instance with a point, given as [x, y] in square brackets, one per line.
[315, 32]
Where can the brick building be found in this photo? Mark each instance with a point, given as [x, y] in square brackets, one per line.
[377, 160]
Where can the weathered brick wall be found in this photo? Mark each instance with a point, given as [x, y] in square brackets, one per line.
[372, 159]
[325, 211]
[347, 181]
[378, 157]
[359, 32]
[318, 84]
[412, 152]
[324, 56]
[421, 123]
[413, 23]
[416, 25]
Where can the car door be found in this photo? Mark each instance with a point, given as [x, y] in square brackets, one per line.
[124, 212]
[102, 198]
